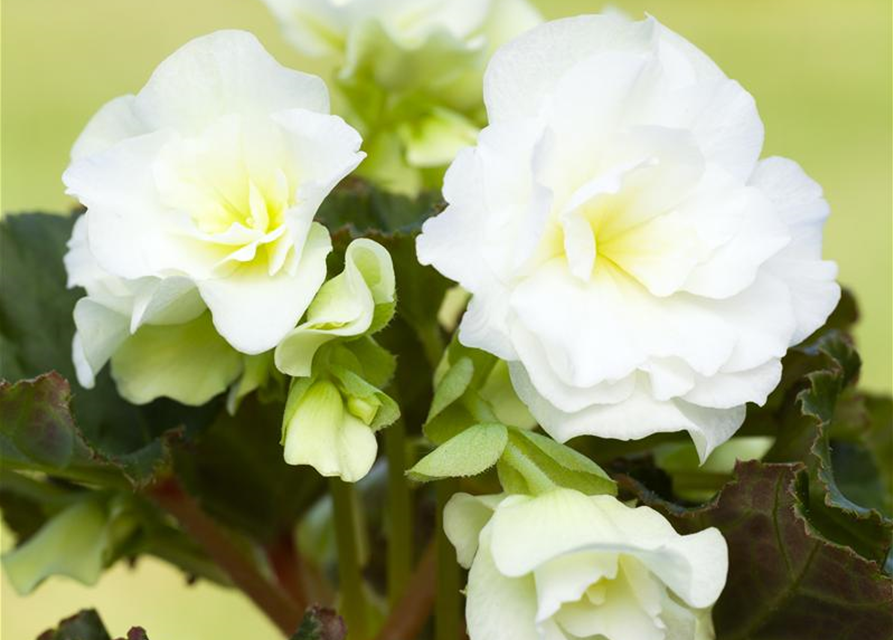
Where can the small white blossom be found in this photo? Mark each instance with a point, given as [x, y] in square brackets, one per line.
[408, 73]
[564, 565]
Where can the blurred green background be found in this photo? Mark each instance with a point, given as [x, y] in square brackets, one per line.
[820, 71]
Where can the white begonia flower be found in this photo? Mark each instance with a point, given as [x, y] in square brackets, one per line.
[564, 565]
[200, 193]
[409, 72]
[628, 254]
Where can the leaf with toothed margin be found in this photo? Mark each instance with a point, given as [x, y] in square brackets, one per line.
[815, 410]
[84, 625]
[786, 579]
[36, 330]
[87, 625]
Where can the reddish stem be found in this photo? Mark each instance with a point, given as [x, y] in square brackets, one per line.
[288, 566]
[414, 607]
[218, 544]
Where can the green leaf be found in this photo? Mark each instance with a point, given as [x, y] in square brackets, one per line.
[786, 580]
[451, 386]
[236, 471]
[533, 463]
[78, 543]
[469, 453]
[35, 309]
[38, 432]
[805, 420]
[36, 330]
[85, 625]
[364, 208]
[320, 623]
[36, 424]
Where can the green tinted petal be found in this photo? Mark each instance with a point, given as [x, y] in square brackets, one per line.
[358, 300]
[189, 363]
[319, 432]
[435, 138]
[256, 372]
[72, 544]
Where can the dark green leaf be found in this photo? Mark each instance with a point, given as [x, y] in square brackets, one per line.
[786, 580]
[805, 422]
[365, 208]
[236, 471]
[85, 625]
[36, 330]
[38, 432]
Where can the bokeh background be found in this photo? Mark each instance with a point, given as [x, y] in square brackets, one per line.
[820, 71]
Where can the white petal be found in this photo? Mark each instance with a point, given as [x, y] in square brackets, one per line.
[253, 310]
[619, 617]
[799, 202]
[729, 390]
[814, 292]
[566, 578]
[638, 416]
[169, 301]
[484, 325]
[100, 331]
[343, 307]
[498, 607]
[187, 362]
[324, 149]
[114, 122]
[464, 517]
[226, 72]
[522, 73]
[758, 235]
[527, 532]
[319, 432]
[129, 229]
[314, 27]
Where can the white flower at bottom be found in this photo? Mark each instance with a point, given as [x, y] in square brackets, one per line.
[628, 254]
[564, 566]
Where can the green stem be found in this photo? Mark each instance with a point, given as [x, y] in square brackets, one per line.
[446, 604]
[399, 512]
[350, 576]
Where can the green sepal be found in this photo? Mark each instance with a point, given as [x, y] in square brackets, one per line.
[469, 453]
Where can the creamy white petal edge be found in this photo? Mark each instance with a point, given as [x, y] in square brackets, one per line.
[200, 193]
[627, 251]
[564, 565]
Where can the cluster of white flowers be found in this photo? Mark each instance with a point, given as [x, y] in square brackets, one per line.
[629, 256]
[408, 74]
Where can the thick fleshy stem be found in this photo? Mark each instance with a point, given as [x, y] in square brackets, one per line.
[400, 551]
[288, 566]
[446, 605]
[350, 575]
[409, 614]
[221, 548]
